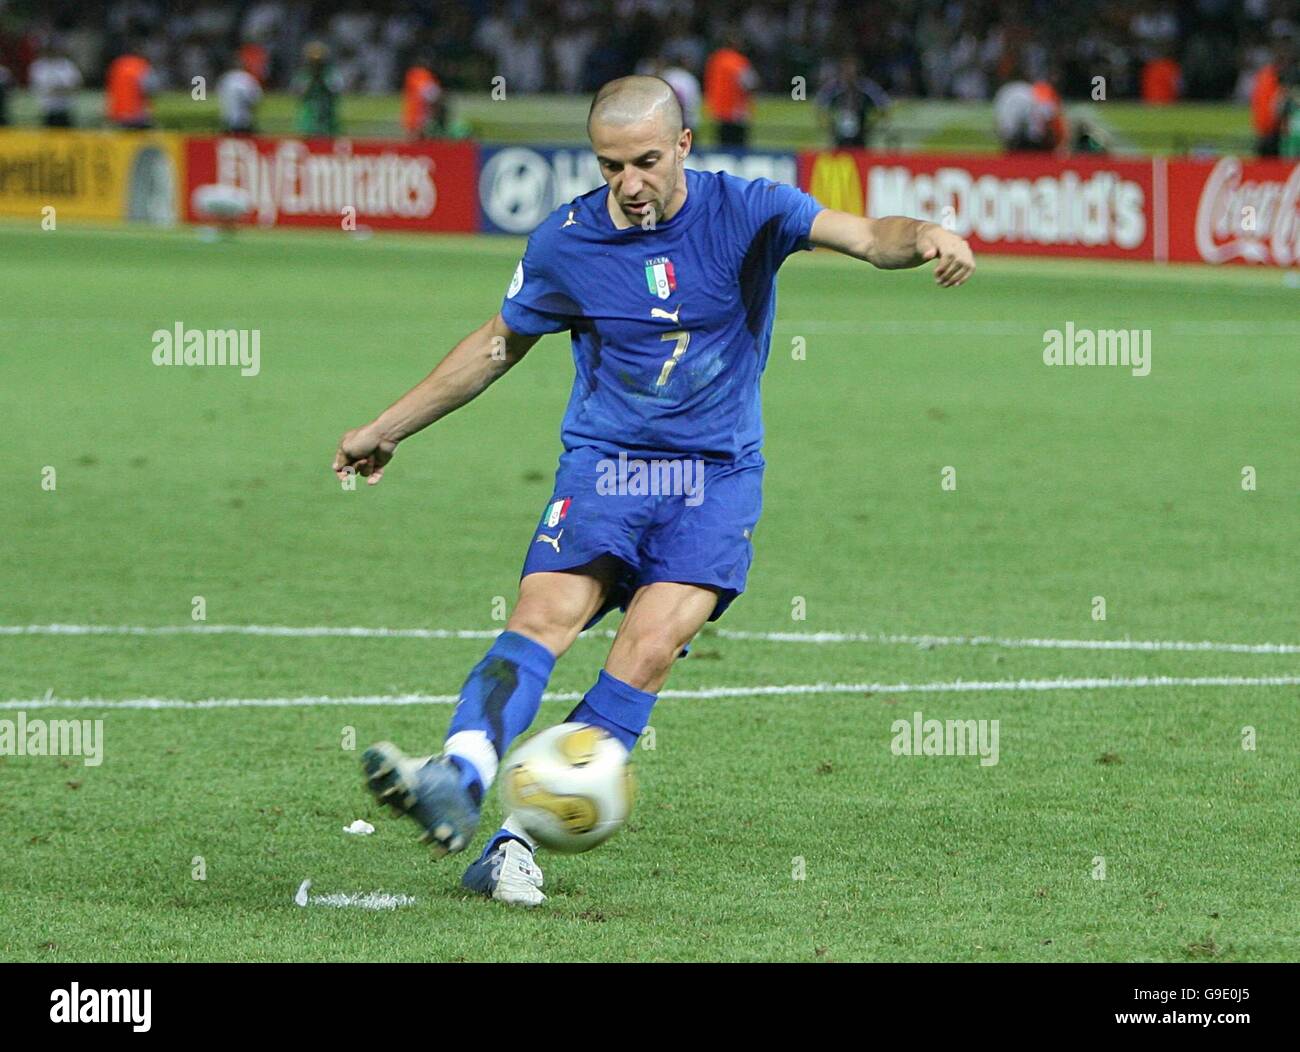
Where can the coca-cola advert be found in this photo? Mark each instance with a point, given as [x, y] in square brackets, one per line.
[1023, 204]
[1223, 210]
[345, 183]
[1234, 211]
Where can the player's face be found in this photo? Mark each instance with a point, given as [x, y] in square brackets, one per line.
[642, 163]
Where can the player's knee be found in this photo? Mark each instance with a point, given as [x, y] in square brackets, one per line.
[648, 654]
[545, 620]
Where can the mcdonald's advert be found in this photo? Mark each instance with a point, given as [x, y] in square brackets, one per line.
[1024, 204]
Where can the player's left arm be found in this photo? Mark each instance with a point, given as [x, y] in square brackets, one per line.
[895, 242]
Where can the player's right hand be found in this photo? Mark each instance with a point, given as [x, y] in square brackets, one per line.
[363, 452]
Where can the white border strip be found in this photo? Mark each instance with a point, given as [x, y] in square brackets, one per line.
[1160, 209]
[879, 638]
[759, 690]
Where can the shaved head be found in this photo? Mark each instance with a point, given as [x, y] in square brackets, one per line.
[634, 100]
[635, 127]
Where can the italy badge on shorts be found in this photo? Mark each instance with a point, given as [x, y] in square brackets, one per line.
[556, 511]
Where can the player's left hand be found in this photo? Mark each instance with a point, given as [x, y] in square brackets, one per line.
[365, 452]
[955, 263]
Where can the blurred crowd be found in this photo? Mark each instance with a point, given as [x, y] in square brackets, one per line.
[963, 49]
[852, 55]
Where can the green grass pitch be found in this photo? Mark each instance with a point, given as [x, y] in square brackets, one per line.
[1071, 483]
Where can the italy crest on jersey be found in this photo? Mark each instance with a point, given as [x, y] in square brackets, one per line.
[661, 278]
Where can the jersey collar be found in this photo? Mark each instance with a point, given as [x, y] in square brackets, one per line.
[692, 192]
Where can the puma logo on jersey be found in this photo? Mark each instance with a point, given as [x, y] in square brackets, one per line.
[659, 312]
[570, 221]
[554, 542]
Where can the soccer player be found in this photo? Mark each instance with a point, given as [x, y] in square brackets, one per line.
[668, 346]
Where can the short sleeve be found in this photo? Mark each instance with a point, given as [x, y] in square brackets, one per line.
[785, 214]
[534, 304]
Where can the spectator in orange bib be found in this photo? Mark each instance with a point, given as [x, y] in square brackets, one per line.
[1267, 99]
[1047, 97]
[729, 85]
[1162, 80]
[254, 58]
[423, 110]
[129, 87]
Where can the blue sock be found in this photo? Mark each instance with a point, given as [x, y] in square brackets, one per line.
[497, 703]
[616, 706]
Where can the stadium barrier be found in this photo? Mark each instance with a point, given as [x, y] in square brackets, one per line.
[1230, 211]
[137, 176]
[1223, 210]
[1213, 211]
[343, 183]
[520, 185]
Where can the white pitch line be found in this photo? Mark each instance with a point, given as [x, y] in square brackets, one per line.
[1013, 644]
[300, 631]
[305, 701]
[815, 638]
[945, 327]
[759, 690]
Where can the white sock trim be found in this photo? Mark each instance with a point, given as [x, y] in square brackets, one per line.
[474, 748]
[511, 825]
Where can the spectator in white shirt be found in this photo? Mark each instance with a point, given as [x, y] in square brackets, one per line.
[238, 94]
[54, 79]
[684, 84]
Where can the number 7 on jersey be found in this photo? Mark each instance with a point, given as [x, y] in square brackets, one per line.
[682, 338]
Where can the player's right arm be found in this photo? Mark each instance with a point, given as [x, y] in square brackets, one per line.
[467, 370]
[894, 243]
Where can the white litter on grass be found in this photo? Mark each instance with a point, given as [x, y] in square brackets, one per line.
[359, 828]
[370, 900]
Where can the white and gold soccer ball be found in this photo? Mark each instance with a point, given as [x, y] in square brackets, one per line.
[570, 787]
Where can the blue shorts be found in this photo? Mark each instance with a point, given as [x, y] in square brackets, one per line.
[690, 521]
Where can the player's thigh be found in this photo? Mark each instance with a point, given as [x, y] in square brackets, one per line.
[661, 619]
[553, 607]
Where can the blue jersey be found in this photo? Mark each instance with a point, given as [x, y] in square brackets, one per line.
[670, 326]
